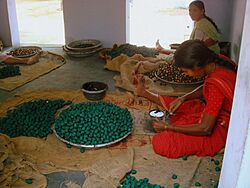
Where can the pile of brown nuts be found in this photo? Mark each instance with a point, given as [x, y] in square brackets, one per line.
[19, 52]
[170, 73]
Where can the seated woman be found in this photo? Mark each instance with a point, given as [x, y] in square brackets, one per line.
[7, 59]
[200, 119]
[204, 29]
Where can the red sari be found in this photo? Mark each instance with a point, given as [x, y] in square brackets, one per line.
[218, 92]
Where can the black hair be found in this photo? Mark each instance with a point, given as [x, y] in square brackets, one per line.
[201, 6]
[193, 54]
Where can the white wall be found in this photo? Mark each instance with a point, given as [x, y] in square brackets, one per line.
[221, 12]
[5, 35]
[236, 162]
[236, 27]
[104, 20]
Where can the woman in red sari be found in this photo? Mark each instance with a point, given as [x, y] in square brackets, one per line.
[200, 119]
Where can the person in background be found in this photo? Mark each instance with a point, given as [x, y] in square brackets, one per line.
[200, 119]
[204, 29]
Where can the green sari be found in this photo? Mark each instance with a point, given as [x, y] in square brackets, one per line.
[209, 30]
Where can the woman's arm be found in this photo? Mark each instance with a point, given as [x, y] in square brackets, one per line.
[199, 34]
[203, 129]
[214, 103]
[141, 90]
[195, 94]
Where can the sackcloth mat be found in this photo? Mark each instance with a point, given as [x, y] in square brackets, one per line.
[47, 62]
[105, 167]
[127, 65]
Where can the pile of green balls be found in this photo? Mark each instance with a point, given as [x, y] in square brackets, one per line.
[33, 118]
[93, 123]
[131, 50]
[131, 182]
[9, 70]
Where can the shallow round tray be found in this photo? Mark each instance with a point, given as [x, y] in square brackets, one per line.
[89, 146]
[179, 83]
[72, 45]
[80, 53]
[27, 55]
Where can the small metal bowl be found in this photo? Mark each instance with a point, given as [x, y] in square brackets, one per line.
[156, 114]
[94, 90]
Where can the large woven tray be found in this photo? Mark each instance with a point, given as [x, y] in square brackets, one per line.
[81, 53]
[89, 146]
[74, 46]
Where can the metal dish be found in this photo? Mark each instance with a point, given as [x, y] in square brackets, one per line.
[179, 83]
[89, 146]
[35, 49]
[94, 90]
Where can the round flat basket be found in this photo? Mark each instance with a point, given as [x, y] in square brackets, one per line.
[84, 45]
[24, 51]
[179, 84]
[81, 53]
[90, 146]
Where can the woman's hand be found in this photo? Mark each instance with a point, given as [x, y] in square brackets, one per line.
[173, 106]
[139, 82]
[159, 125]
[158, 47]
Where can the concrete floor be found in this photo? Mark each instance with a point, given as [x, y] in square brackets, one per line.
[70, 76]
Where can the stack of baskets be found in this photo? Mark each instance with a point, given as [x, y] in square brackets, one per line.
[82, 48]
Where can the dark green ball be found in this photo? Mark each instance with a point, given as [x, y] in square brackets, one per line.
[82, 150]
[29, 181]
[216, 162]
[133, 171]
[184, 158]
[197, 184]
[217, 169]
[174, 176]
[176, 185]
[69, 145]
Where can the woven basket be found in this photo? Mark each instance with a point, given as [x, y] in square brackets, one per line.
[84, 45]
[81, 53]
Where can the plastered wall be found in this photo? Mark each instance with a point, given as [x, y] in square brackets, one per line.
[97, 19]
[5, 35]
[106, 21]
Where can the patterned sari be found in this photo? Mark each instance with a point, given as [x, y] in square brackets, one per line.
[173, 145]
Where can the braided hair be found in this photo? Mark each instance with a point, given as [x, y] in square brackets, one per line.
[201, 6]
[193, 54]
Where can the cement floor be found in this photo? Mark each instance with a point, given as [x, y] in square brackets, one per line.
[71, 76]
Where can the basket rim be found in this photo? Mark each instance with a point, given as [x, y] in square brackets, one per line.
[96, 43]
[24, 47]
[90, 146]
[178, 83]
[80, 53]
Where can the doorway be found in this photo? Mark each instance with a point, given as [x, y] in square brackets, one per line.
[40, 22]
[166, 20]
